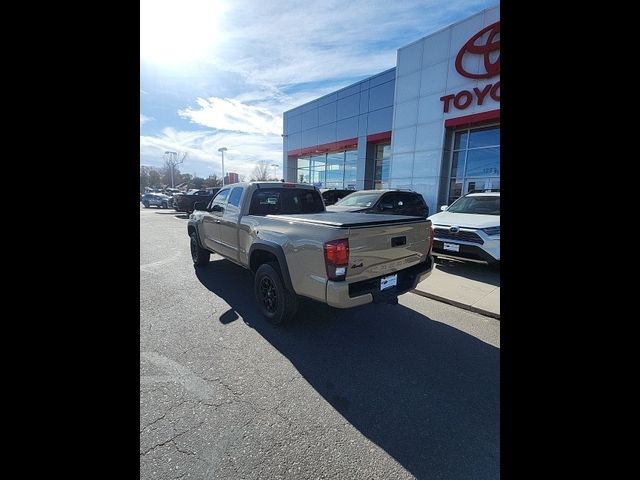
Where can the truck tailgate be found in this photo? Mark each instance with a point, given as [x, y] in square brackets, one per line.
[378, 244]
[386, 248]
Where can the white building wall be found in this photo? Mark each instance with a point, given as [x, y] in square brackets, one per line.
[425, 72]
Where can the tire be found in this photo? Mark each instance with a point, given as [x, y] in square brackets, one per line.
[199, 255]
[274, 301]
[164, 205]
[146, 204]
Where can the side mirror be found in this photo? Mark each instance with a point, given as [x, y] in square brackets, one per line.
[217, 208]
[444, 208]
[200, 206]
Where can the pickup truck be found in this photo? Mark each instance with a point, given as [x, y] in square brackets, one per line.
[295, 248]
[183, 202]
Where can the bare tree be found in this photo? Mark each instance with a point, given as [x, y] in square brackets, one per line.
[171, 161]
[260, 171]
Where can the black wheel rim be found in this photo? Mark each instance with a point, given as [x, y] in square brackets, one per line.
[268, 294]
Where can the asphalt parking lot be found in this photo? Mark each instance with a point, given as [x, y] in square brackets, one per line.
[385, 391]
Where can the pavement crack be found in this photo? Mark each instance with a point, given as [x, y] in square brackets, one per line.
[172, 407]
[172, 439]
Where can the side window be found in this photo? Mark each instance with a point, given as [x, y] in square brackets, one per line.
[236, 194]
[407, 201]
[414, 204]
[220, 199]
[387, 201]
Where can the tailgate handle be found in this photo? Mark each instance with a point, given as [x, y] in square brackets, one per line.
[397, 241]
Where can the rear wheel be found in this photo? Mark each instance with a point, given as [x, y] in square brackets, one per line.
[274, 300]
[199, 255]
[164, 205]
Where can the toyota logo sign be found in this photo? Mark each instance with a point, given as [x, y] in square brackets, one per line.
[485, 49]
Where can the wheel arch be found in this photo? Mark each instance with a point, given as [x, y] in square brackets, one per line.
[192, 228]
[264, 251]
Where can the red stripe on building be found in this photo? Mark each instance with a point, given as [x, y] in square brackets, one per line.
[326, 147]
[476, 118]
[379, 137]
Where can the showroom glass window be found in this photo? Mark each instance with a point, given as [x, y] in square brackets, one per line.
[329, 170]
[475, 161]
[381, 176]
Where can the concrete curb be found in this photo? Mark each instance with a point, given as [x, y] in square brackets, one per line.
[464, 306]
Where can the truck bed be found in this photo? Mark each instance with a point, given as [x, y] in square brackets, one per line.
[348, 220]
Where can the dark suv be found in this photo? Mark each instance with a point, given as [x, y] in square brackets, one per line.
[331, 196]
[394, 202]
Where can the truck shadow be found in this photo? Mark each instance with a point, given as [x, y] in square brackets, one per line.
[426, 393]
[473, 271]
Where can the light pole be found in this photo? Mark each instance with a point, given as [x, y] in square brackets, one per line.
[285, 158]
[275, 169]
[222, 150]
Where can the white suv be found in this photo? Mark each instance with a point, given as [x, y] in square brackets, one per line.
[469, 229]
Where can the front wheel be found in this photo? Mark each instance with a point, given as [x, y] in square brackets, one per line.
[165, 205]
[274, 300]
[146, 204]
[199, 255]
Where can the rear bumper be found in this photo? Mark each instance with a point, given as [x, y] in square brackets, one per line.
[471, 253]
[345, 295]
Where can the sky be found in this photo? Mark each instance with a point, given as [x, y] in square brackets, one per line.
[220, 73]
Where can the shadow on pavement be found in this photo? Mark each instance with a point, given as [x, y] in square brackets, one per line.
[473, 271]
[426, 393]
[180, 215]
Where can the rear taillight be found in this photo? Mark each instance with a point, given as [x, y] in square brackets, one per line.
[336, 258]
[430, 238]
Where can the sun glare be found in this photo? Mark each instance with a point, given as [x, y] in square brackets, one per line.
[178, 32]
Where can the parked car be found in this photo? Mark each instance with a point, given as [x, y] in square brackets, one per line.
[391, 202]
[469, 229]
[157, 200]
[184, 202]
[331, 196]
[296, 248]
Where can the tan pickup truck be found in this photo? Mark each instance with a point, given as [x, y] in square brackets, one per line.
[282, 233]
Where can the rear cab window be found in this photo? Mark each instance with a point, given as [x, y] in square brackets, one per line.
[284, 201]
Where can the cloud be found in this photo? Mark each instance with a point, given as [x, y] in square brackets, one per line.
[232, 115]
[287, 42]
[269, 58]
[243, 150]
[144, 119]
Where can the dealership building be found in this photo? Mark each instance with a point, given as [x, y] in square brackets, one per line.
[431, 124]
